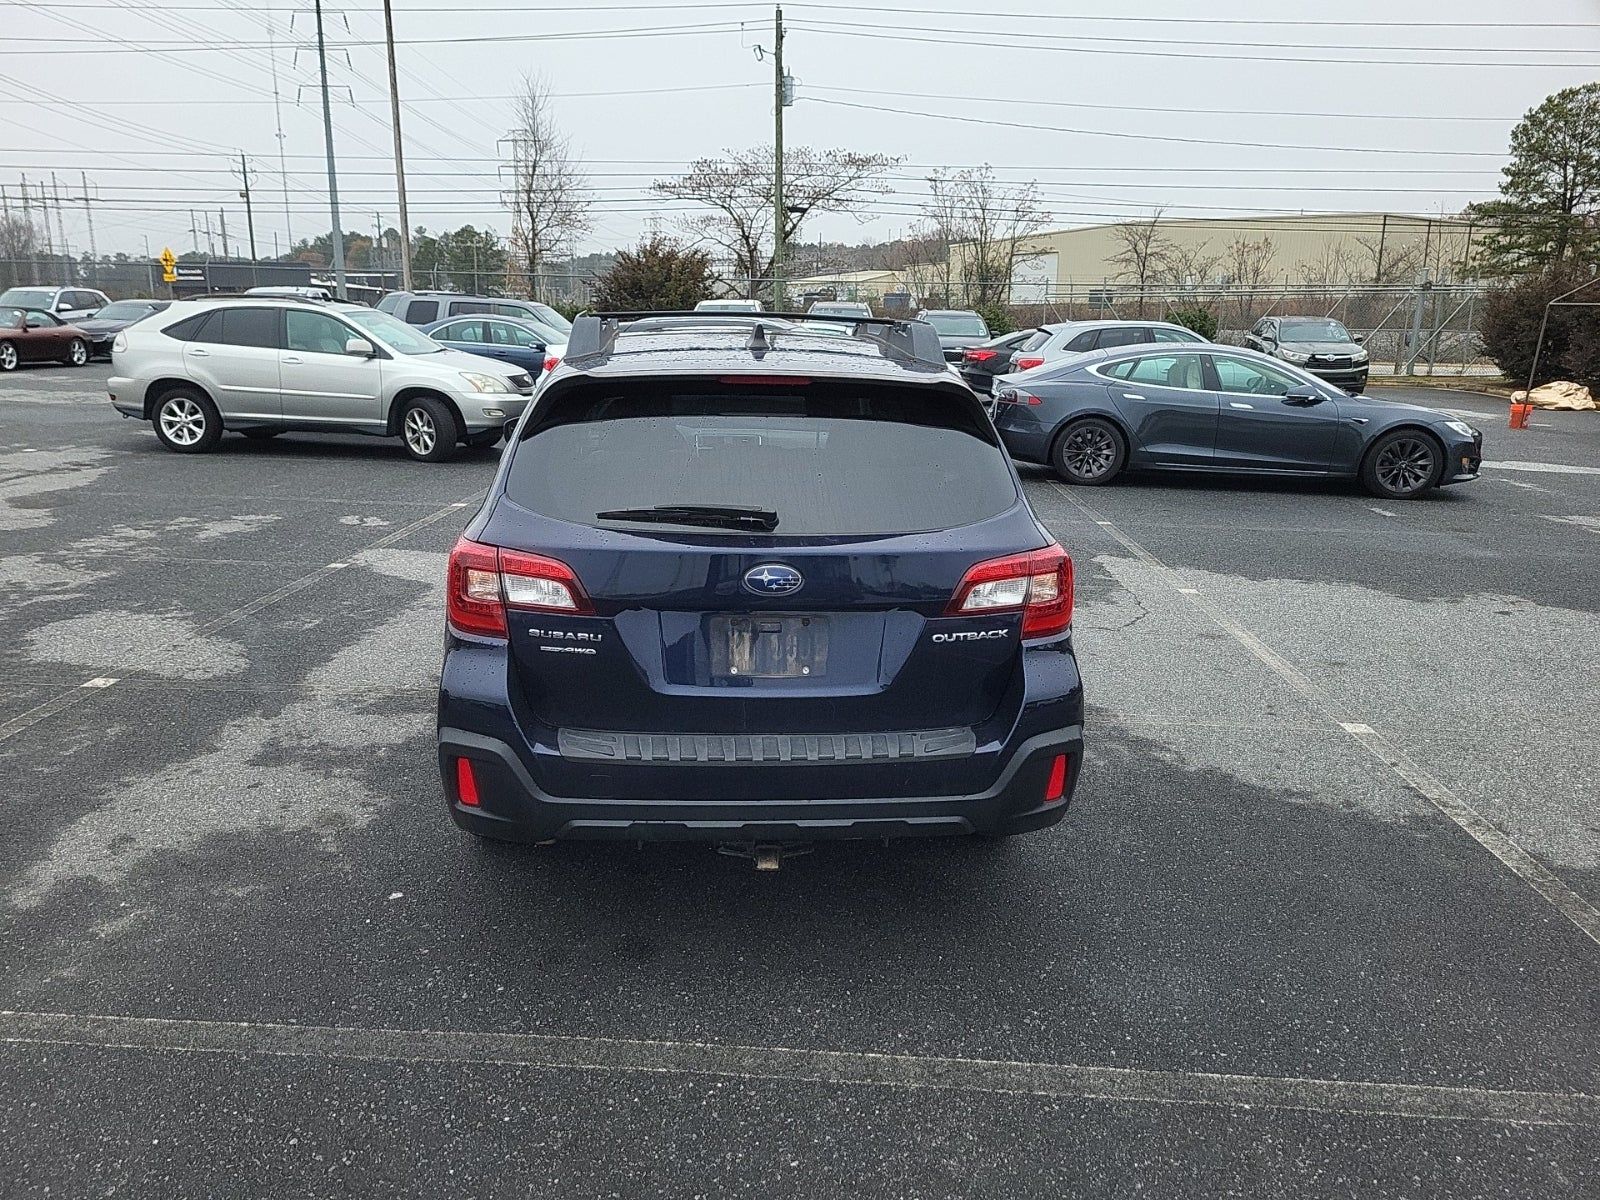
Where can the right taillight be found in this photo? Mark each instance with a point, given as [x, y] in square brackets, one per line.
[1016, 396]
[1028, 362]
[980, 354]
[1039, 583]
[552, 361]
[484, 581]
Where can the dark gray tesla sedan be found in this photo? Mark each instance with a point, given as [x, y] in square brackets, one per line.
[1217, 408]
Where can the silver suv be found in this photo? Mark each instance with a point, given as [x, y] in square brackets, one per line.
[259, 366]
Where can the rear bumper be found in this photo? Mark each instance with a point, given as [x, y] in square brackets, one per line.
[512, 806]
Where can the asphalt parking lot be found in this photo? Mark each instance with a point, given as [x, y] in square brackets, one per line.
[1321, 922]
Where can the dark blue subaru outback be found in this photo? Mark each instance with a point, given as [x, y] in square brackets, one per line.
[757, 585]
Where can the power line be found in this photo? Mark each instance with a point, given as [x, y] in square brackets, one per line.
[1151, 137]
[561, 8]
[1165, 110]
[965, 39]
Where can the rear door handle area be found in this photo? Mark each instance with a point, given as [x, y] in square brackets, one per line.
[199, 353]
[291, 358]
[1241, 404]
[1132, 396]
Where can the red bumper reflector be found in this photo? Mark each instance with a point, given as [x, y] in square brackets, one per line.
[1055, 788]
[467, 783]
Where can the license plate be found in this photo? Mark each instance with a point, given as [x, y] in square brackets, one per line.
[768, 647]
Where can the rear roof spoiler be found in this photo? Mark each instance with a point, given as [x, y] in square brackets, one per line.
[594, 335]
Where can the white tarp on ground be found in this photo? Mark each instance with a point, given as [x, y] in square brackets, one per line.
[1558, 395]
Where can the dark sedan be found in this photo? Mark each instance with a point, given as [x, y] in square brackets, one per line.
[980, 364]
[31, 335]
[1320, 345]
[102, 328]
[1225, 410]
[958, 328]
[518, 340]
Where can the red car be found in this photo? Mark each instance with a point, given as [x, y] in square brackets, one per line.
[31, 335]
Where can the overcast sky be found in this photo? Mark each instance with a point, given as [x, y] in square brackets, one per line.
[1362, 105]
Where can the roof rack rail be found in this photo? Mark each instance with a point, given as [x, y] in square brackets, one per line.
[594, 335]
[257, 298]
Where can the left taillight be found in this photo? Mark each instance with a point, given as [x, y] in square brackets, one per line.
[1027, 362]
[1038, 584]
[484, 581]
[552, 361]
[979, 355]
[119, 343]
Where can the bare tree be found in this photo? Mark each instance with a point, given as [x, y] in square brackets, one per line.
[1338, 264]
[547, 192]
[985, 224]
[1144, 254]
[19, 248]
[1248, 265]
[1189, 267]
[737, 189]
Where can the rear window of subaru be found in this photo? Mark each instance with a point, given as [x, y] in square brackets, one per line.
[819, 455]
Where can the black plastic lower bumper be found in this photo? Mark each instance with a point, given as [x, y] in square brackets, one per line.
[513, 807]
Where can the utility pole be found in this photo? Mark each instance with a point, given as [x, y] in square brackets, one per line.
[277, 112]
[149, 267]
[777, 163]
[194, 231]
[67, 272]
[339, 288]
[377, 245]
[88, 216]
[222, 223]
[211, 241]
[399, 153]
[249, 212]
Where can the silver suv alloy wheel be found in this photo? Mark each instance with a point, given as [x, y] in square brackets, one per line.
[79, 354]
[420, 432]
[8, 357]
[183, 421]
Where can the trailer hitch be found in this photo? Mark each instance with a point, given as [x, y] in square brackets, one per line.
[767, 856]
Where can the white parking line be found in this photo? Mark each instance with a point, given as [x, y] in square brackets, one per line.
[1382, 512]
[1471, 822]
[1543, 468]
[1592, 524]
[1114, 1084]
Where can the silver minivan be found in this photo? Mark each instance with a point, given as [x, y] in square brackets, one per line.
[261, 366]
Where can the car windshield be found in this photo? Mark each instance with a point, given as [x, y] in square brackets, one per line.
[958, 324]
[811, 454]
[549, 316]
[393, 332]
[29, 297]
[1314, 330]
[124, 310]
[10, 318]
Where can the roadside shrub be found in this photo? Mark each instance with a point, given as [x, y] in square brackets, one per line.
[996, 316]
[657, 274]
[1195, 317]
[1510, 329]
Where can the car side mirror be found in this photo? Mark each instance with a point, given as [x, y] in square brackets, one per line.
[1303, 397]
[1358, 338]
[509, 429]
[359, 348]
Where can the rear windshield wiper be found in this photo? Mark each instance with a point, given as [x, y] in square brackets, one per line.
[716, 516]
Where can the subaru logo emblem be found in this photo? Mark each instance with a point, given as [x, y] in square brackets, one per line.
[772, 579]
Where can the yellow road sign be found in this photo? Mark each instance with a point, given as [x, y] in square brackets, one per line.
[169, 266]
